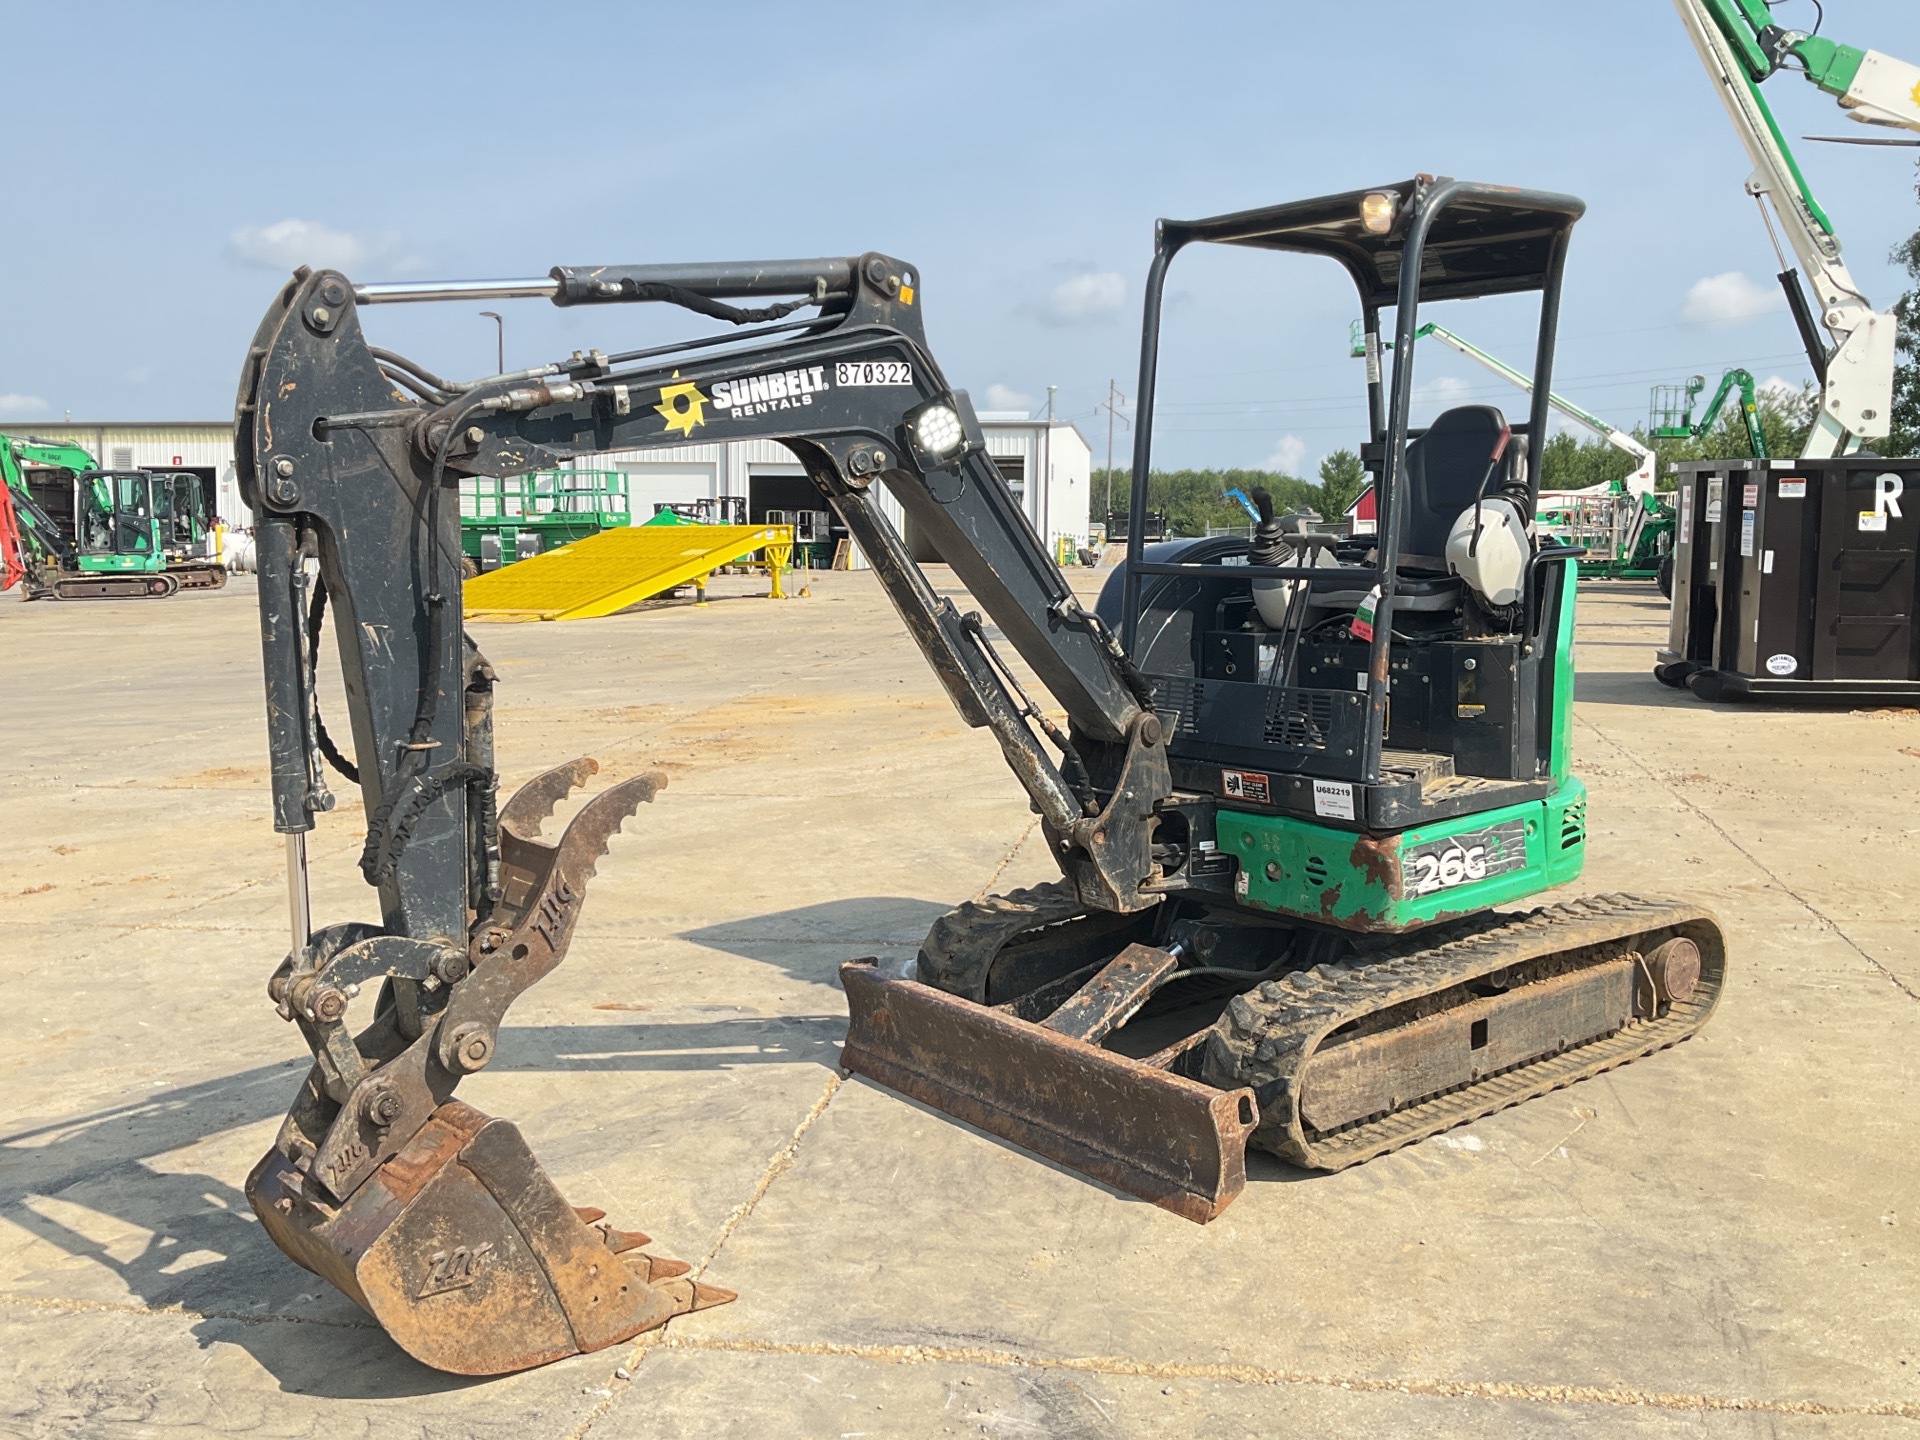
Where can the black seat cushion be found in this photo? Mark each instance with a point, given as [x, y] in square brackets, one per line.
[1445, 468]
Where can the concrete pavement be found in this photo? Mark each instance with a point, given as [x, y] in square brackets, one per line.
[1718, 1241]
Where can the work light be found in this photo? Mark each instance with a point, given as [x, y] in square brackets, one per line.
[938, 431]
[1377, 211]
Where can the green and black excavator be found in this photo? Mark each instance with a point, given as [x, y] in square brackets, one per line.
[1297, 775]
[71, 531]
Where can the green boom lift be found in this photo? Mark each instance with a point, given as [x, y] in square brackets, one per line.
[1672, 415]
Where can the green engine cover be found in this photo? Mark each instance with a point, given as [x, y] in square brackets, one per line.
[1391, 883]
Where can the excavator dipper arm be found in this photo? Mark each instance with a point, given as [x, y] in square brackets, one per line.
[435, 1218]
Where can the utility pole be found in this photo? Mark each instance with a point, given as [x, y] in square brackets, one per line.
[1114, 398]
[500, 338]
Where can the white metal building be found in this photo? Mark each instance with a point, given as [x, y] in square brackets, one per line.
[203, 447]
[1049, 466]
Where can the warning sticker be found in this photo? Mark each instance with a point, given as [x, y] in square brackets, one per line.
[1333, 799]
[1746, 532]
[1361, 626]
[1249, 785]
[1873, 520]
[1791, 490]
[1750, 496]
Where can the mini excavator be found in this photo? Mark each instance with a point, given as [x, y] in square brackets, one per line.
[1297, 774]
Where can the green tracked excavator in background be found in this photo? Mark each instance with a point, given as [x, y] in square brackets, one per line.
[72, 531]
[1298, 772]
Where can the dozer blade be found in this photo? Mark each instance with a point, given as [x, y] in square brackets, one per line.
[463, 1250]
[1160, 1136]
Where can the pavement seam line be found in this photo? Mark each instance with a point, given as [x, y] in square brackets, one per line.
[778, 1165]
[1122, 1367]
[1006, 860]
[1756, 862]
[781, 1162]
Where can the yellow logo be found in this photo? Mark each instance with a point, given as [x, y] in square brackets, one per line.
[682, 406]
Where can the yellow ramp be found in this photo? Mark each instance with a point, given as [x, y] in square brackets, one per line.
[618, 568]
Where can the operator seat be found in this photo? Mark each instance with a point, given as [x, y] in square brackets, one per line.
[1445, 468]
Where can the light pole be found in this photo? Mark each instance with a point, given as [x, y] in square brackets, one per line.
[1114, 397]
[500, 337]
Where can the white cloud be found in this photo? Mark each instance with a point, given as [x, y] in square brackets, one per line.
[1442, 393]
[1005, 397]
[1722, 299]
[286, 244]
[1780, 388]
[1085, 298]
[1289, 454]
[15, 404]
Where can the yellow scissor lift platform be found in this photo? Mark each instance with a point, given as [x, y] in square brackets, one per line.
[618, 568]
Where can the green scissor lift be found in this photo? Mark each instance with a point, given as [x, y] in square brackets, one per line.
[512, 518]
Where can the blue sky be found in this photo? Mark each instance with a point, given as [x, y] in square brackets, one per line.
[169, 163]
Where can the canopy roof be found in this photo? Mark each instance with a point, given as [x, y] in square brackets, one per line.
[1485, 240]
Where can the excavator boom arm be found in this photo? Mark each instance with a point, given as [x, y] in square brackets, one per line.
[350, 457]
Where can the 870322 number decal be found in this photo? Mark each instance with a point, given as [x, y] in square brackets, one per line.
[1462, 859]
[873, 372]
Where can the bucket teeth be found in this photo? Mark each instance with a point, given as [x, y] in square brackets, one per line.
[621, 1241]
[464, 1251]
[589, 1213]
[690, 1295]
[655, 1268]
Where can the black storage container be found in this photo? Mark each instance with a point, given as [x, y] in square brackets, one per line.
[1796, 578]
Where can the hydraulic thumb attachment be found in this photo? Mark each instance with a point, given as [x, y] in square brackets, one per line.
[434, 1217]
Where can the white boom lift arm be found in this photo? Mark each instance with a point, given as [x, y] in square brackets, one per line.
[1640, 482]
[1741, 46]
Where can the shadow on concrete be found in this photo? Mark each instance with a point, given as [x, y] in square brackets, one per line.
[1627, 687]
[859, 925]
[97, 1186]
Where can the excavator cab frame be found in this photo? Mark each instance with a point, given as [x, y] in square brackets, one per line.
[1344, 734]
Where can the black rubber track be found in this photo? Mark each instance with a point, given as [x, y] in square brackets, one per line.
[1266, 1037]
[960, 949]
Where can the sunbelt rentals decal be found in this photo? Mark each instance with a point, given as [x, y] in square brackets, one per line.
[759, 394]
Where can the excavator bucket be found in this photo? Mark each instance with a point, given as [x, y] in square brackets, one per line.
[1050, 1088]
[463, 1250]
[432, 1216]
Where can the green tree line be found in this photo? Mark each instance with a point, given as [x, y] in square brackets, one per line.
[1196, 500]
